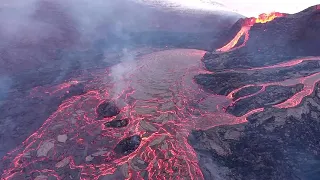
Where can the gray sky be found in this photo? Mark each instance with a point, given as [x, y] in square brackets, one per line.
[245, 7]
[256, 7]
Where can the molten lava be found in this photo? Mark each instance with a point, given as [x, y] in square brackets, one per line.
[134, 123]
[246, 26]
[264, 18]
[309, 83]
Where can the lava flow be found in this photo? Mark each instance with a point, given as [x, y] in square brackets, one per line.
[133, 122]
[309, 83]
[246, 26]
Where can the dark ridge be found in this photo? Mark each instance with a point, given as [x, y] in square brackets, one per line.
[128, 145]
[107, 109]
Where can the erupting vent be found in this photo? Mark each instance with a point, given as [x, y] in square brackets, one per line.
[264, 18]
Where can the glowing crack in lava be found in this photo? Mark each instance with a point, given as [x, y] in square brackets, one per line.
[145, 135]
[246, 26]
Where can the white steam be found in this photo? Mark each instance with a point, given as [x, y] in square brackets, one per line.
[121, 72]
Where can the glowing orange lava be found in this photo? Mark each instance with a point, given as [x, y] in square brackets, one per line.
[264, 18]
[246, 26]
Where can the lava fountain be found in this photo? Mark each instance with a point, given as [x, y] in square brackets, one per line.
[132, 126]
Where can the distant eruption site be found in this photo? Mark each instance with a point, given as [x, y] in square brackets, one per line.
[246, 26]
[136, 126]
[309, 82]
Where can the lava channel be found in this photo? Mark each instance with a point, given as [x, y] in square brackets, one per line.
[308, 82]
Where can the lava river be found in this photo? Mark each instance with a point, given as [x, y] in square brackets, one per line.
[132, 122]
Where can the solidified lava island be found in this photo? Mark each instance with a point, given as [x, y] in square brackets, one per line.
[247, 110]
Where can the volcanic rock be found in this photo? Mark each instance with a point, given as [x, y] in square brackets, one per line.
[157, 140]
[27, 155]
[210, 141]
[99, 153]
[107, 109]
[63, 162]
[124, 169]
[117, 123]
[41, 177]
[89, 158]
[138, 164]
[45, 147]
[128, 145]
[62, 138]
[164, 118]
[235, 135]
[147, 126]
[145, 110]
